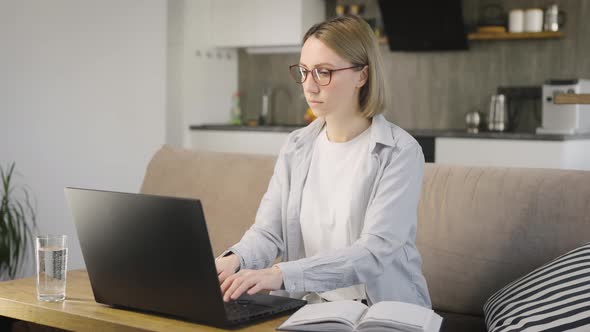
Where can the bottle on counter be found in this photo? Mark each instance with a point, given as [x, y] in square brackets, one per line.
[356, 9]
[340, 9]
[265, 116]
[236, 110]
[498, 115]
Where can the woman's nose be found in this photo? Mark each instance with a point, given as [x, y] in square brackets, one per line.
[310, 85]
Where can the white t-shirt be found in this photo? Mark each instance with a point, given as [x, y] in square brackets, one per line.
[327, 194]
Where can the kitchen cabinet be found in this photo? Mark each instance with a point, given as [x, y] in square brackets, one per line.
[263, 23]
[563, 154]
[235, 141]
[440, 146]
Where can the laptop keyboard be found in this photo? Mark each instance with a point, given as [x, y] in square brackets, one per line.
[237, 310]
[244, 309]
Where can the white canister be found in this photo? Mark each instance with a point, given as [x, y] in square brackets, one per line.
[533, 20]
[516, 20]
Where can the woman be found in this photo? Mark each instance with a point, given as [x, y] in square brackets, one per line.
[341, 206]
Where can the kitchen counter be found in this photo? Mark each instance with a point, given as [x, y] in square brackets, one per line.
[277, 128]
[450, 146]
[458, 133]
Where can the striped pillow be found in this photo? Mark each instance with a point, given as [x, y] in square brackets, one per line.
[554, 297]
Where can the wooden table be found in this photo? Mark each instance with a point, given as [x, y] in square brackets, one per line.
[79, 312]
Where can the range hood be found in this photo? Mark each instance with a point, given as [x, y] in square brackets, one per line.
[424, 25]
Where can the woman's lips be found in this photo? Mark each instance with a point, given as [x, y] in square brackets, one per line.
[315, 102]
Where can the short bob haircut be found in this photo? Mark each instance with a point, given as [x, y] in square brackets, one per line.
[353, 39]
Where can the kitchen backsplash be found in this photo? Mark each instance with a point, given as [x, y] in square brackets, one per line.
[436, 89]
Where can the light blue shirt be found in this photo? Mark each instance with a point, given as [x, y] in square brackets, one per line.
[384, 258]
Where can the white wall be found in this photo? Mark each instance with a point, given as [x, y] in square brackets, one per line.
[82, 97]
[175, 126]
[202, 77]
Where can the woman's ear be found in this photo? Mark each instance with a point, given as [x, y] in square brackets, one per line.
[363, 77]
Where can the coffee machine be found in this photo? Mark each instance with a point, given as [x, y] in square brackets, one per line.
[566, 107]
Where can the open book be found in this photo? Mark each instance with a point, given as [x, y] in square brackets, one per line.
[355, 316]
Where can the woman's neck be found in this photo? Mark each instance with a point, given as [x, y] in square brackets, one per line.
[344, 128]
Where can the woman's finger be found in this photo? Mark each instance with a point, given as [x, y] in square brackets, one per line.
[227, 283]
[257, 288]
[243, 287]
[235, 283]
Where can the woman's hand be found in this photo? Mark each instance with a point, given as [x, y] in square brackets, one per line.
[252, 282]
[227, 266]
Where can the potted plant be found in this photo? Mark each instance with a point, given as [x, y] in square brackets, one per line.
[17, 224]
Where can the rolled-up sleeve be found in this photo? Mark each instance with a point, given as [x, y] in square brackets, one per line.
[390, 217]
[263, 241]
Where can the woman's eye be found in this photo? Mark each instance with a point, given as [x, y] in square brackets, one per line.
[323, 73]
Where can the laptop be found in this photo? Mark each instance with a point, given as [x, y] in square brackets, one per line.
[152, 253]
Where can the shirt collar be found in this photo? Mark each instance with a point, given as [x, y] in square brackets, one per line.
[381, 132]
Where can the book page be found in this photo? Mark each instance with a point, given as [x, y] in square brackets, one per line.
[435, 323]
[403, 316]
[344, 312]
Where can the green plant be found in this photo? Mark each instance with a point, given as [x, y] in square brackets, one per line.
[17, 223]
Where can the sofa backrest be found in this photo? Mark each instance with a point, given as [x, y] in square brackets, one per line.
[478, 227]
[229, 186]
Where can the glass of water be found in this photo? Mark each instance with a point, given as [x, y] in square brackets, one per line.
[51, 257]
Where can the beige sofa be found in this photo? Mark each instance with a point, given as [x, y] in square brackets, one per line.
[478, 228]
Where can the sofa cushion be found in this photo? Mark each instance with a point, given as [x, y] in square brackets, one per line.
[554, 296]
[480, 228]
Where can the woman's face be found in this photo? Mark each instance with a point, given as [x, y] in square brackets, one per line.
[340, 97]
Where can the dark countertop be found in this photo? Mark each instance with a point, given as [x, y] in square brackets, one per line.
[277, 128]
[459, 133]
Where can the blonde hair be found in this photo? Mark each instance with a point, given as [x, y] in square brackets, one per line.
[353, 39]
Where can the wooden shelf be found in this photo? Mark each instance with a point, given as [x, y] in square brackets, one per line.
[572, 98]
[502, 36]
[514, 36]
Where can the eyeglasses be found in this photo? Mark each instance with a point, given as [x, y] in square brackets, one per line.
[322, 76]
